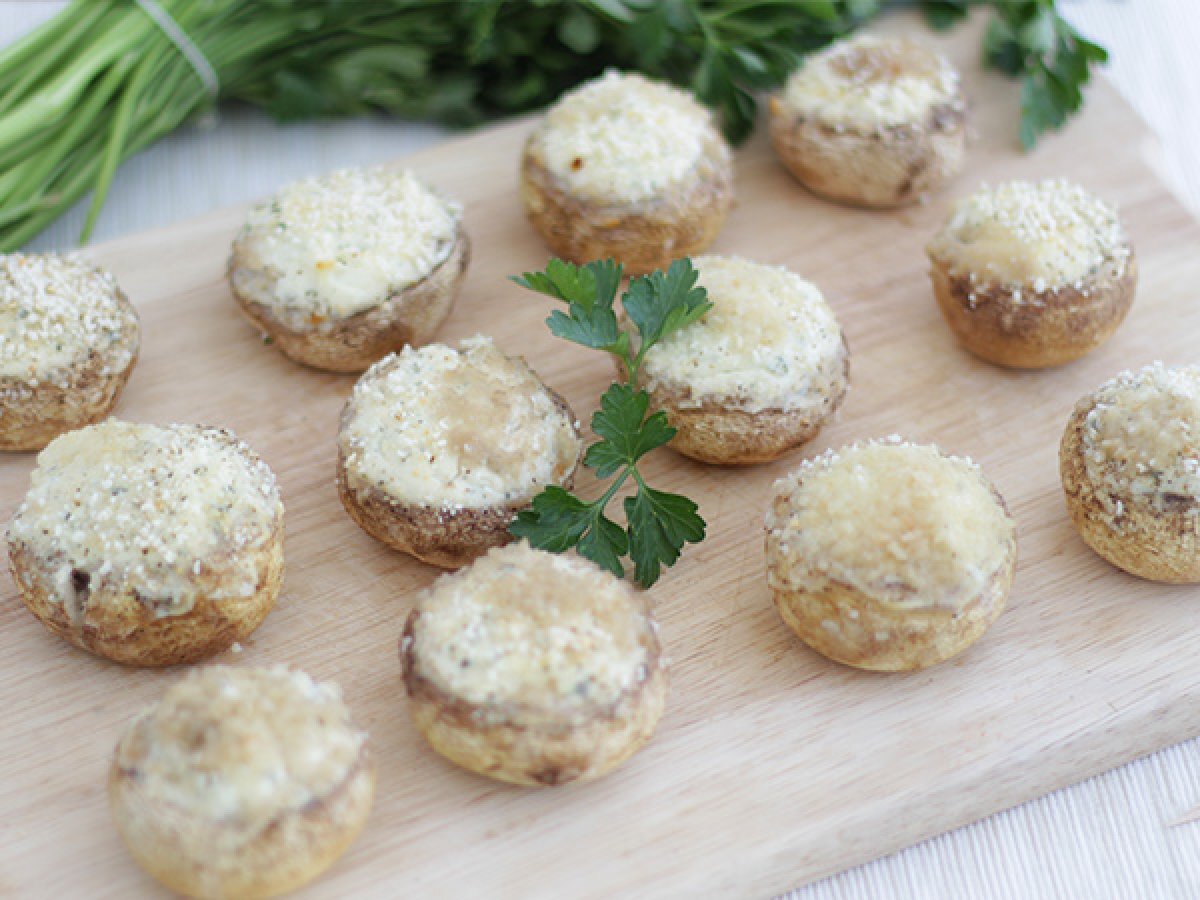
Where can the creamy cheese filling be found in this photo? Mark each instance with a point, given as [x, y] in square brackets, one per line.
[1047, 234]
[242, 746]
[331, 246]
[453, 428]
[545, 632]
[623, 137]
[147, 509]
[870, 82]
[1141, 440]
[899, 522]
[769, 342]
[54, 311]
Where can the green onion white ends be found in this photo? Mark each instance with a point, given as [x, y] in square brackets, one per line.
[889, 556]
[440, 447]
[872, 121]
[1033, 274]
[241, 783]
[149, 545]
[1130, 465]
[534, 668]
[758, 374]
[628, 168]
[344, 268]
[69, 339]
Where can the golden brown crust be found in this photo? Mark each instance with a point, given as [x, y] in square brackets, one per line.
[409, 317]
[643, 236]
[722, 434]
[191, 857]
[113, 620]
[511, 745]
[1045, 328]
[883, 637]
[440, 537]
[889, 167]
[449, 538]
[911, 630]
[31, 416]
[1160, 544]
[118, 624]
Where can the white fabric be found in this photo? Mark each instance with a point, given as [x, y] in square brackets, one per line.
[1110, 837]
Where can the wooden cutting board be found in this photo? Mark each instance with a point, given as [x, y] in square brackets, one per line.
[772, 766]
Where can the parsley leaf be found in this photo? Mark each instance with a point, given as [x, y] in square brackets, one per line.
[626, 432]
[660, 303]
[941, 14]
[589, 292]
[556, 521]
[605, 543]
[1028, 39]
[658, 524]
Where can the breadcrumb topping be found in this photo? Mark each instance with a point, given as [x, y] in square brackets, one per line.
[1141, 441]
[333, 245]
[242, 746]
[147, 509]
[459, 428]
[549, 633]
[869, 83]
[56, 311]
[769, 342]
[900, 522]
[1043, 235]
[624, 137]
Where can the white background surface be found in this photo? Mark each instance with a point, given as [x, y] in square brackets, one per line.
[1116, 836]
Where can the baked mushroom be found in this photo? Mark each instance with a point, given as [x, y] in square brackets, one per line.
[340, 270]
[439, 448]
[889, 556]
[68, 341]
[872, 121]
[629, 168]
[759, 374]
[534, 668]
[1033, 274]
[241, 782]
[1130, 464]
[149, 545]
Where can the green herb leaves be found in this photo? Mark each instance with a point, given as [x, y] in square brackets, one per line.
[76, 99]
[1028, 39]
[729, 53]
[662, 302]
[626, 434]
[589, 292]
[658, 524]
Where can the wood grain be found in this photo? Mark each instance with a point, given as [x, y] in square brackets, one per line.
[772, 766]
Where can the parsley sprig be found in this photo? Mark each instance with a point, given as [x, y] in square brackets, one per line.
[658, 523]
[1028, 39]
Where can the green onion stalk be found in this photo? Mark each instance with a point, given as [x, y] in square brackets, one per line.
[104, 79]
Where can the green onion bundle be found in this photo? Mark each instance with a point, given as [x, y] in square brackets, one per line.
[105, 78]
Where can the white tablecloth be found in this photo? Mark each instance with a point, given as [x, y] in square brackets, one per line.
[1114, 836]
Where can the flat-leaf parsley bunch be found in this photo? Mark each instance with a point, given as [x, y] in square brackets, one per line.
[658, 523]
[104, 78]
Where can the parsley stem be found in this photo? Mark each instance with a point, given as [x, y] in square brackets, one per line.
[602, 503]
[633, 364]
[635, 368]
